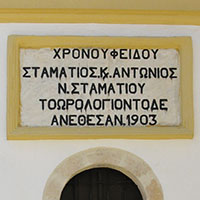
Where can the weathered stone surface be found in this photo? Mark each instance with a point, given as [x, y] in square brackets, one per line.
[129, 164]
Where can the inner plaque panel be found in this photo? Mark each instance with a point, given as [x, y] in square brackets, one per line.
[100, 87]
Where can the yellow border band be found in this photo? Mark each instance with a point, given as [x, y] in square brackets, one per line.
[107, 16]
[104, 4]
[15, 131]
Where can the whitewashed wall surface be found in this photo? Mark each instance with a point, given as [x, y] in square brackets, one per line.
[26, 165]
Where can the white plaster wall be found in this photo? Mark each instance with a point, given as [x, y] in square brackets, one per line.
[26, 165]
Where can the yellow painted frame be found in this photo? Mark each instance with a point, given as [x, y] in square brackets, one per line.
[131, 14]
[172, 12]
[16, 132]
